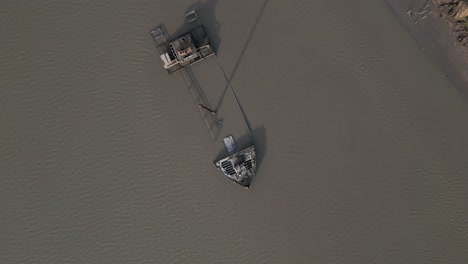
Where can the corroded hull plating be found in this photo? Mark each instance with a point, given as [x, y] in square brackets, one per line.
[240, 167]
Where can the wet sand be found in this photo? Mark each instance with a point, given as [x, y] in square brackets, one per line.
[436, 37]
[106, 159]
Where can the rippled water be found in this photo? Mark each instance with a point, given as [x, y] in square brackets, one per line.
[362, 140]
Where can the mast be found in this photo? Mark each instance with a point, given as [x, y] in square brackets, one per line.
[237, 102]
[200, 105]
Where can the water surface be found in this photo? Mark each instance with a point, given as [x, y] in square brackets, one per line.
[105, 158]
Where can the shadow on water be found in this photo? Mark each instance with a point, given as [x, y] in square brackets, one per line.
[206, 15]
[241, 56]
[259, 136]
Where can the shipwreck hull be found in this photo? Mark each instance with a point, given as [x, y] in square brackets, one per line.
[240, 167]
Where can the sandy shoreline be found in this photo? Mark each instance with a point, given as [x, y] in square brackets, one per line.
[436, 38]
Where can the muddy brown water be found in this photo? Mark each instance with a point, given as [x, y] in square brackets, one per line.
[105, 158]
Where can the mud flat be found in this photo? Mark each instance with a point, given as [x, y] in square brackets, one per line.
[433, 23]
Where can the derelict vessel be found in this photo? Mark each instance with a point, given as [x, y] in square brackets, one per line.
[185, 50]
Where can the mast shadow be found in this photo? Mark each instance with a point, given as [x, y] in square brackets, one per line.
[241, 55]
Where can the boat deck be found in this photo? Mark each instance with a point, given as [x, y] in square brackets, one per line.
[214, 97]
[200, 43]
